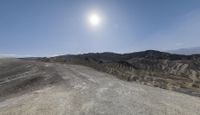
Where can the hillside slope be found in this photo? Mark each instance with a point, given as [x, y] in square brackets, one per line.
[168, 71]
[81, 90]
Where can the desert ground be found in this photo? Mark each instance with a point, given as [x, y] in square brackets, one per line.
[65, 89]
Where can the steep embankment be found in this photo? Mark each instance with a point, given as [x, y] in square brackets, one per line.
[84, 91]
[19, 76]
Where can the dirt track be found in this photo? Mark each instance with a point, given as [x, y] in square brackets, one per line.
[85, 91]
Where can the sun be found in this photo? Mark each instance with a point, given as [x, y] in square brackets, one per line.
[94, 19]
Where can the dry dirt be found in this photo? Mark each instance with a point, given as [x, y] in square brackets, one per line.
[85, 91]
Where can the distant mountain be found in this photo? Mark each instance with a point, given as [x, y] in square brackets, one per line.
[160, 69]
[186, 51]
[7, 55]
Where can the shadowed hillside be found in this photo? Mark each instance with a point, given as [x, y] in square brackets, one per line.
[18, 76]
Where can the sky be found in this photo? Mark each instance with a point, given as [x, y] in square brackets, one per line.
[54, 27]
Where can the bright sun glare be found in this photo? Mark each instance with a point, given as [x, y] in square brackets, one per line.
[94, 19]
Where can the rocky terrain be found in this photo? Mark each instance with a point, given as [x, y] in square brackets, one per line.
[159, 69]
[46, 88]
[19, 76]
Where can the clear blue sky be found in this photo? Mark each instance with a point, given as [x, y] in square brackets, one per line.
[51, 27]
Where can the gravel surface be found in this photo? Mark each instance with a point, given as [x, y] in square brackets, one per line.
[85, 91]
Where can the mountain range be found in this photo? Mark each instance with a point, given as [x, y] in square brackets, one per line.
[186, 51]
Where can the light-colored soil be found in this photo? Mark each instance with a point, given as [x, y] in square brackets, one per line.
[85, 91]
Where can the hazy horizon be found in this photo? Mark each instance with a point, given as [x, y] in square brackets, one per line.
[55, 27]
